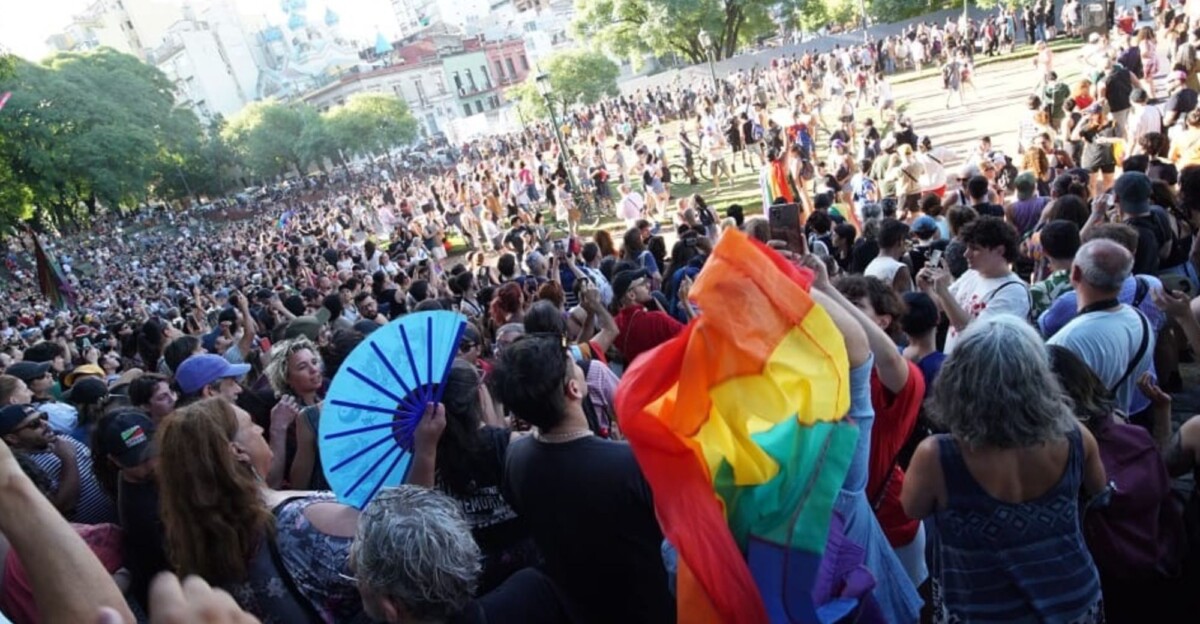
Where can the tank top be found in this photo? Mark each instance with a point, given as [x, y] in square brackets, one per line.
[883, 268]
[994, 561]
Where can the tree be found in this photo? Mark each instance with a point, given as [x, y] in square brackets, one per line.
[582, 77]
[85, 131]
[531, 106]
[372, 124]
[266, 136]
[576, 77]
[633, 28]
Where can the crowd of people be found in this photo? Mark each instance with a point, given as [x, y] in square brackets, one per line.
[1014, 326]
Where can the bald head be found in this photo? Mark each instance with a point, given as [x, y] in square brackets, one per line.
[1103, 265]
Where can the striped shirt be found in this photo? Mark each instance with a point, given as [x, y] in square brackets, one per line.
[94, 506]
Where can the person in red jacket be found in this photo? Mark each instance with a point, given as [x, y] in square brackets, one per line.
[642, 323]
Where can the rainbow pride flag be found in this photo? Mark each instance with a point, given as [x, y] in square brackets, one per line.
[738, 425]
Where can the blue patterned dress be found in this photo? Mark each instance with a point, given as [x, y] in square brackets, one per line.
[993, 561]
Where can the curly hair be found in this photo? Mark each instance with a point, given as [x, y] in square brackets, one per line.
[989, 232]
[996, 389]
[413, 546]
[882, 298]
[277, 371]
[213, 517]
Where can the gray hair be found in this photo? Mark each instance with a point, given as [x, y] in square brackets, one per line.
[1104, 264]
[413, 546]
[996, 389]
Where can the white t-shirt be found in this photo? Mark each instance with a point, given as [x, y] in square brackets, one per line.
[934, 162]
[983, 296]
[1108, 341]
[631, 206]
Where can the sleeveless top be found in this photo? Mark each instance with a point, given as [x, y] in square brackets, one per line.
[994, 561]
[299, 575]
[883, 268]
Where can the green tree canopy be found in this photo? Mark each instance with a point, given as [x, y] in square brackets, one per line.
[633, 28]
[84, 130]
[575, 76]
[267, 135]
[371, 123]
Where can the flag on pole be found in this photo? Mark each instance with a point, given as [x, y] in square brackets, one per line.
[739, 426]
[51, 280]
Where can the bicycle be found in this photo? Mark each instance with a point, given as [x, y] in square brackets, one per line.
[679, 173]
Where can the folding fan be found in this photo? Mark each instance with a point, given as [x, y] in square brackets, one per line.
[377, 399]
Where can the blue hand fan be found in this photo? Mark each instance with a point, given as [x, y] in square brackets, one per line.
[377, 399]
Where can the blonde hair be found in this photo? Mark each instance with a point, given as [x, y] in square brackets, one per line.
[277, 371]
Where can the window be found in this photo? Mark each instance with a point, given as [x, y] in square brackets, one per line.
[524, 63]
[420, 89]
[512, 71]
[440, 83]
[499, 70]
[479, 106]
[467, 109]
[487, 80]
[471, 79]
[458, 82]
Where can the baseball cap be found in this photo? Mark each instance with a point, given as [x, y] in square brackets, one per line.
[201, 370]
[127, 436]
[623, 280]
[88, 391]
[307, 326]
[924, 224]
[28, 371]
[81, 371]
[1132, 190]
[13, 415]
[1026, 184]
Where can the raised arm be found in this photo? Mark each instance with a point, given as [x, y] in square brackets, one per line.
[889, 363]
[69, 583]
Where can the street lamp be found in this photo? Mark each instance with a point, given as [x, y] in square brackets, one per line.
[706, 42]
[543, 86]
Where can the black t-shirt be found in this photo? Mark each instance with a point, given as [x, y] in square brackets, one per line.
[1153, 230]
[919, 254]
[528, 597]
[1118, 86]
[592, 517]
[987, 209]
[1182, 102]
[862, 253]
[1163, 170]
[137, 510]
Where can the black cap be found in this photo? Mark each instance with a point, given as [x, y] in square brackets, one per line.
[127, 436]
[28, 371]
[623, 280]
[12, 416]
[87, 391]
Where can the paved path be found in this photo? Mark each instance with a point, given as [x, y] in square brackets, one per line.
[992, 110]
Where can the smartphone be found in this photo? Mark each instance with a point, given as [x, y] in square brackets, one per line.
[935, 258]
[784, 220]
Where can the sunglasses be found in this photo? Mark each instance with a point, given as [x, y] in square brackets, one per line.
[42, 420]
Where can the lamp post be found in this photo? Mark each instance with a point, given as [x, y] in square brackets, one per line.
[706, 42]
[543, 86]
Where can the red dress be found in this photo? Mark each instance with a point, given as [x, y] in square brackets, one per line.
[895, 417]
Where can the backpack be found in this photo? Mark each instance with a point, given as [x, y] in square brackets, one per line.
[756, 132]
[1128, 542]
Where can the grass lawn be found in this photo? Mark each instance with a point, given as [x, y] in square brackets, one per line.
[745, 189]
